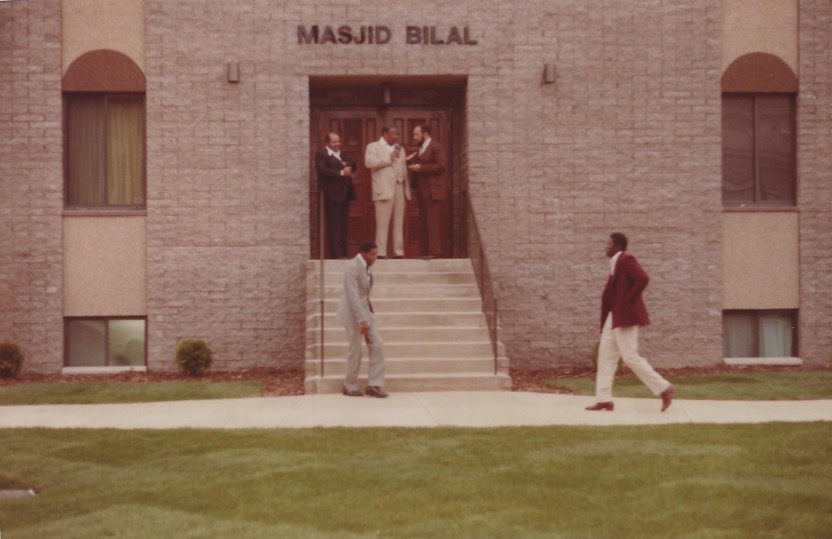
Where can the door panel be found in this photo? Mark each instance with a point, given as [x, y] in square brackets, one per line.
[357, 128]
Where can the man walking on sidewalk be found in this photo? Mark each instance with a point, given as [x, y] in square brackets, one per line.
[622, 312]
[355, 313]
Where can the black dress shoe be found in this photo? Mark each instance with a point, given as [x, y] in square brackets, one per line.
[398, 257]
[375, 391]
[667, 397]
[601, 406]
[350, 393]
[380, 257]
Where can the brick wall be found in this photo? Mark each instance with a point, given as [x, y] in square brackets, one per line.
[31, 181]
[814, 135]
[227, 179]
[627, 139]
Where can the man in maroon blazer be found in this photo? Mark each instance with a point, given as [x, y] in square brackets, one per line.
[622, 312]
[427, 166]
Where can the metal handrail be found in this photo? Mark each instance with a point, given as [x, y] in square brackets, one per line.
[321, 291]
[476, 251]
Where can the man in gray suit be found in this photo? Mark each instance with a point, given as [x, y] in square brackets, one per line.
[355, 313]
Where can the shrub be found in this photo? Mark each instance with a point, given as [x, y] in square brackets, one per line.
[193, 356]
[11, 360]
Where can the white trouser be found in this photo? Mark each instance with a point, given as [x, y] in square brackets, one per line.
[376, 348]
[623, 343]
[384, 210]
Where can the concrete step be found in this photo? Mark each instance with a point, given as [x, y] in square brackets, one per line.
[407, 264]
[403, 292]
[406, 319]
[415, 383]
[394, 350]
[401, 278]
[408, 365]
[427, 334]
[408, 305]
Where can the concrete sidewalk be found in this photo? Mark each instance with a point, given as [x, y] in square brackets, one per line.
[439, 409]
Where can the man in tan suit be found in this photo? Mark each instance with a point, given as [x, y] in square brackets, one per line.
[355, 313]
[391, 187]
[427, 166]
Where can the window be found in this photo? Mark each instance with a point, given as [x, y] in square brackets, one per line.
[759, 333]
[105, 150]
[758, 150]
[105, 342]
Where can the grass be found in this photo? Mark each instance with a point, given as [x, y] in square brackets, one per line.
[119, 392]
[745, 386]
[681, 481]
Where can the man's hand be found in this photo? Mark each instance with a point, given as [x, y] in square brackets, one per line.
[410, 157]
[364, 328]
[347, 171]
[394, 155]
[415, 168]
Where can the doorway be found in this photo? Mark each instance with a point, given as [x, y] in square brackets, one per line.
[357, 110]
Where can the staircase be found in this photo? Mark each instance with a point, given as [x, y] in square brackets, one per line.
[431, 320]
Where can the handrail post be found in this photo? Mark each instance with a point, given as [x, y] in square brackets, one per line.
[496, 339]
[321, 270]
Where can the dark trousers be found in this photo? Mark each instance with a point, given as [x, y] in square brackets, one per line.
[337, 216]
[430, 220]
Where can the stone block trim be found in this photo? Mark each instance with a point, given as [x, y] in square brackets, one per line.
[31, 181]
[814, 181]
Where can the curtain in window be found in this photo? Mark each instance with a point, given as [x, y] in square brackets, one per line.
[737, 150]
[85, 148]
[775, 146]
[125, 155]
[775, 335]
[738, 338]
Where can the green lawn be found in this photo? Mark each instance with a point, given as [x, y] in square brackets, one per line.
[114, 392]
[741, 386]
[691, 481]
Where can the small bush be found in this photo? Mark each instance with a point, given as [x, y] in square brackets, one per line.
[193, 356]
[11, 360]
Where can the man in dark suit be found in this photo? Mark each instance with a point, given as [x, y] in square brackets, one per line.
[622, 312]
[427, 166]
[335, 180]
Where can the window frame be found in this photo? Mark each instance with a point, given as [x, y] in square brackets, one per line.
[106, 320]
[757, 204]
[105, 208]
[793, 313]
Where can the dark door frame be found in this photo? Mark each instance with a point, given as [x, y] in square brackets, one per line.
[383, 93]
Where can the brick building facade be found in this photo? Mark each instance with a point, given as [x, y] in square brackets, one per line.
[627, 137]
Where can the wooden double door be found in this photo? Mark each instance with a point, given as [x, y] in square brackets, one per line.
[358, 127]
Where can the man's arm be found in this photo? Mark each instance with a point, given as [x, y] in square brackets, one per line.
[375, 157]
[323, 168]
[358, 308]
[436, 163]
[638, 276]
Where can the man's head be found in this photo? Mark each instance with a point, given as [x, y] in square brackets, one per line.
[369, 251]
[420, 134]
[617, 242]
[390, 134]
[333, 142]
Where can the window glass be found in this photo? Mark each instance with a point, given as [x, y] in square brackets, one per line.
[105, 146]
[126, 345]
[758, 150]
[738, 338]
[776, 335]
[86, 343]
